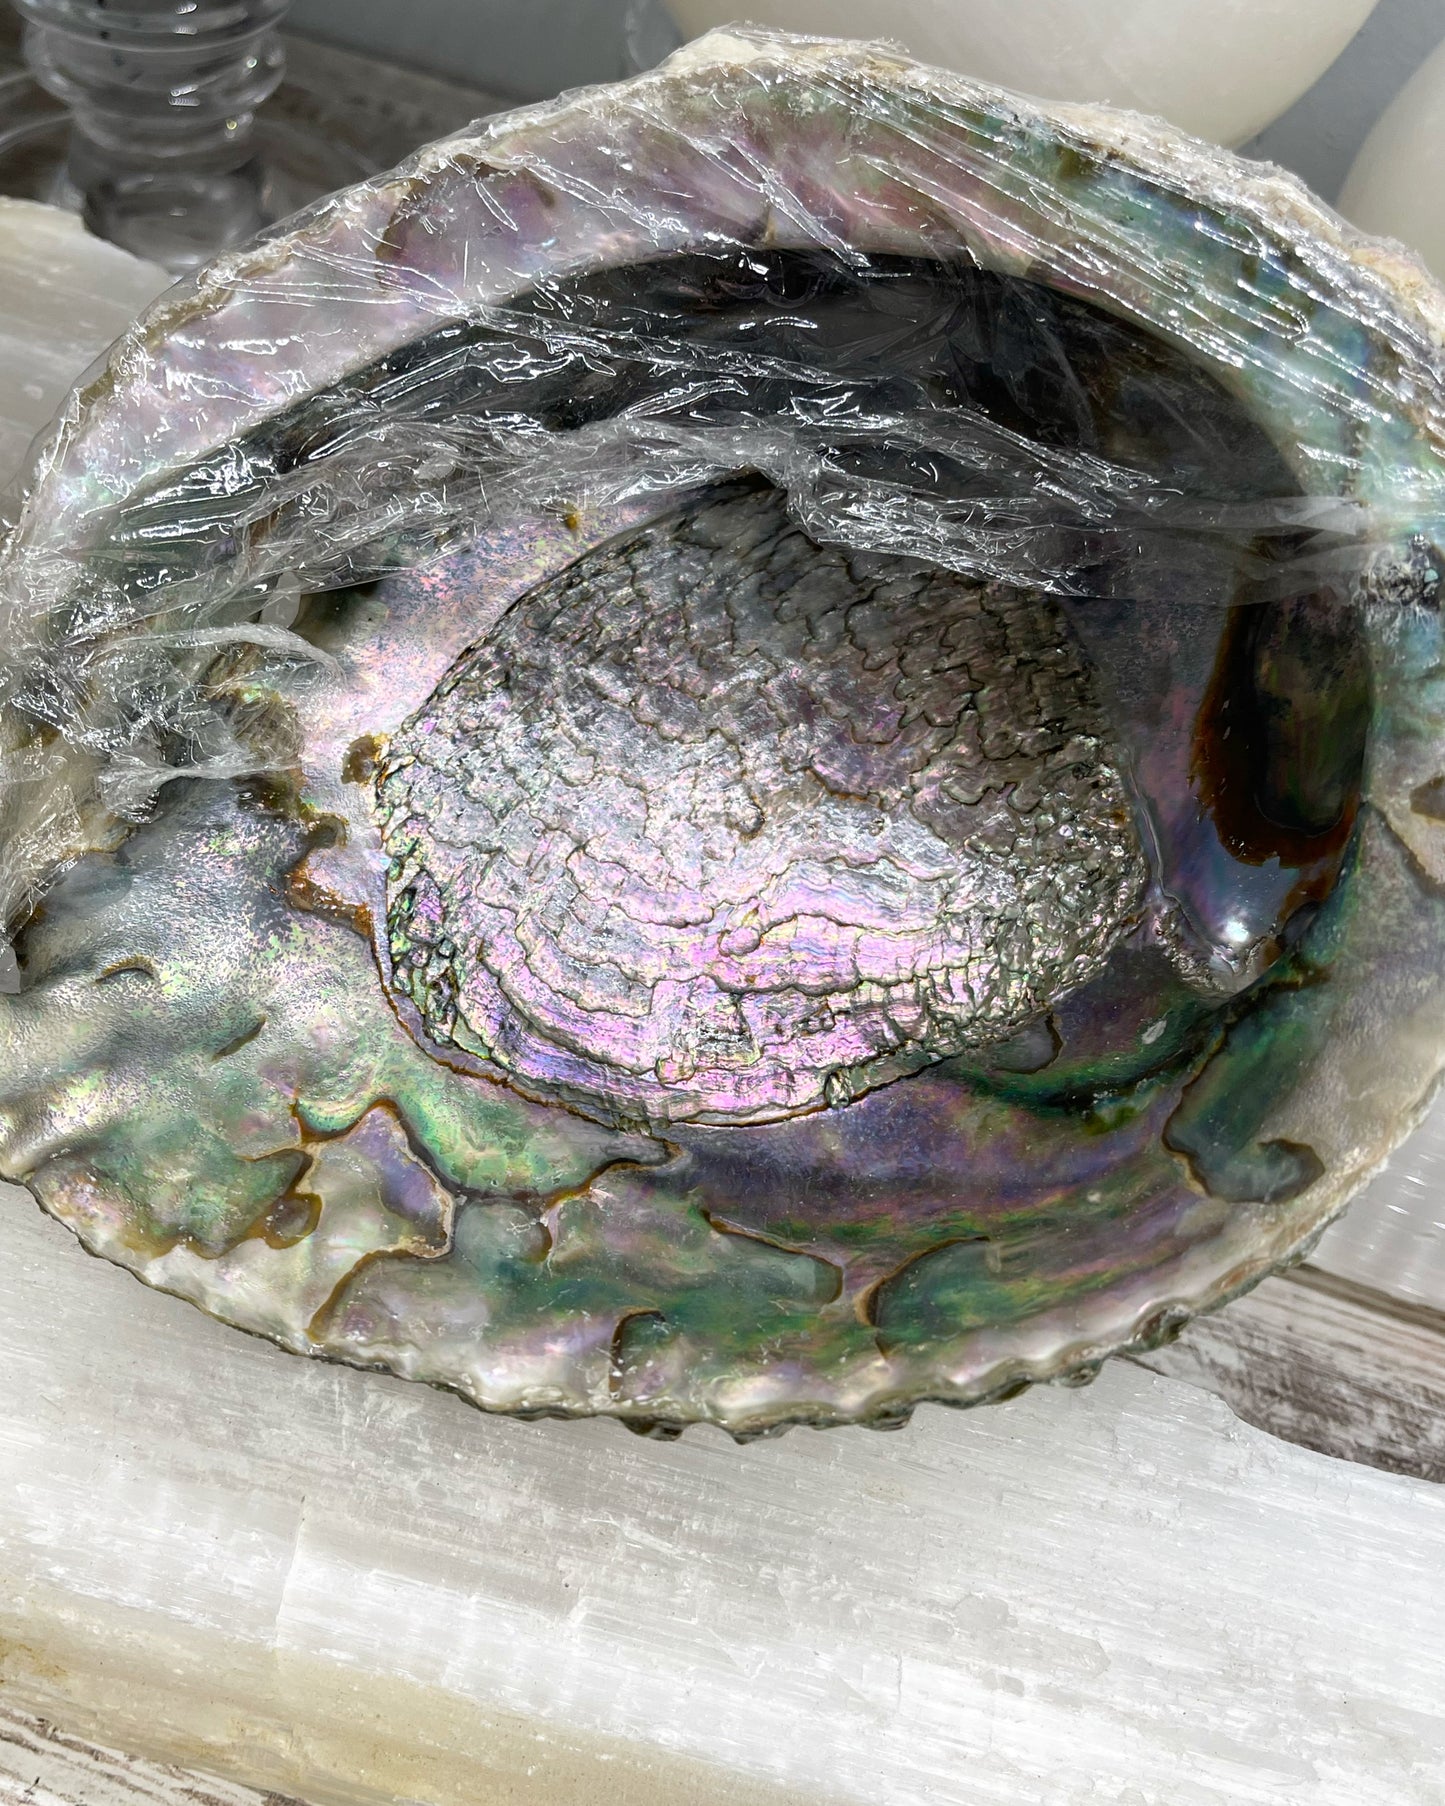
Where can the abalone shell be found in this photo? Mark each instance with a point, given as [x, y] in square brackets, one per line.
[749, 749]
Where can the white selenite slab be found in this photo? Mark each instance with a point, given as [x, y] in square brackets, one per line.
[63, 297]
[1392, 1238]
[354, 1589]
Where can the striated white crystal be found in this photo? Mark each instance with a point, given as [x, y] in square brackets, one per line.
[64, 295]
[349, 1588]
[1392, 1238]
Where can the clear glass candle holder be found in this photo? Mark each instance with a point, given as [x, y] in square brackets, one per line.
[162, 96]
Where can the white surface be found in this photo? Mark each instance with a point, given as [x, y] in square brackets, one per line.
[1393, 1236]
[1219, 68]
[1395, 186]
[330, 1581]
[63, 297]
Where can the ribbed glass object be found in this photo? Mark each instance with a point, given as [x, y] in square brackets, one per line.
[163, 96]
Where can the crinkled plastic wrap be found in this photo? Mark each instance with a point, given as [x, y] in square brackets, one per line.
[754, 746]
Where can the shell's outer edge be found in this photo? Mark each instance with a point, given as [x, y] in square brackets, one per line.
[82, 472]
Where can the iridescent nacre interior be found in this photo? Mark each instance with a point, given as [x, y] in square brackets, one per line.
[765, 823]
[722, 823]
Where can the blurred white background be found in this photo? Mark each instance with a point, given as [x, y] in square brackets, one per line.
[528, 49]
